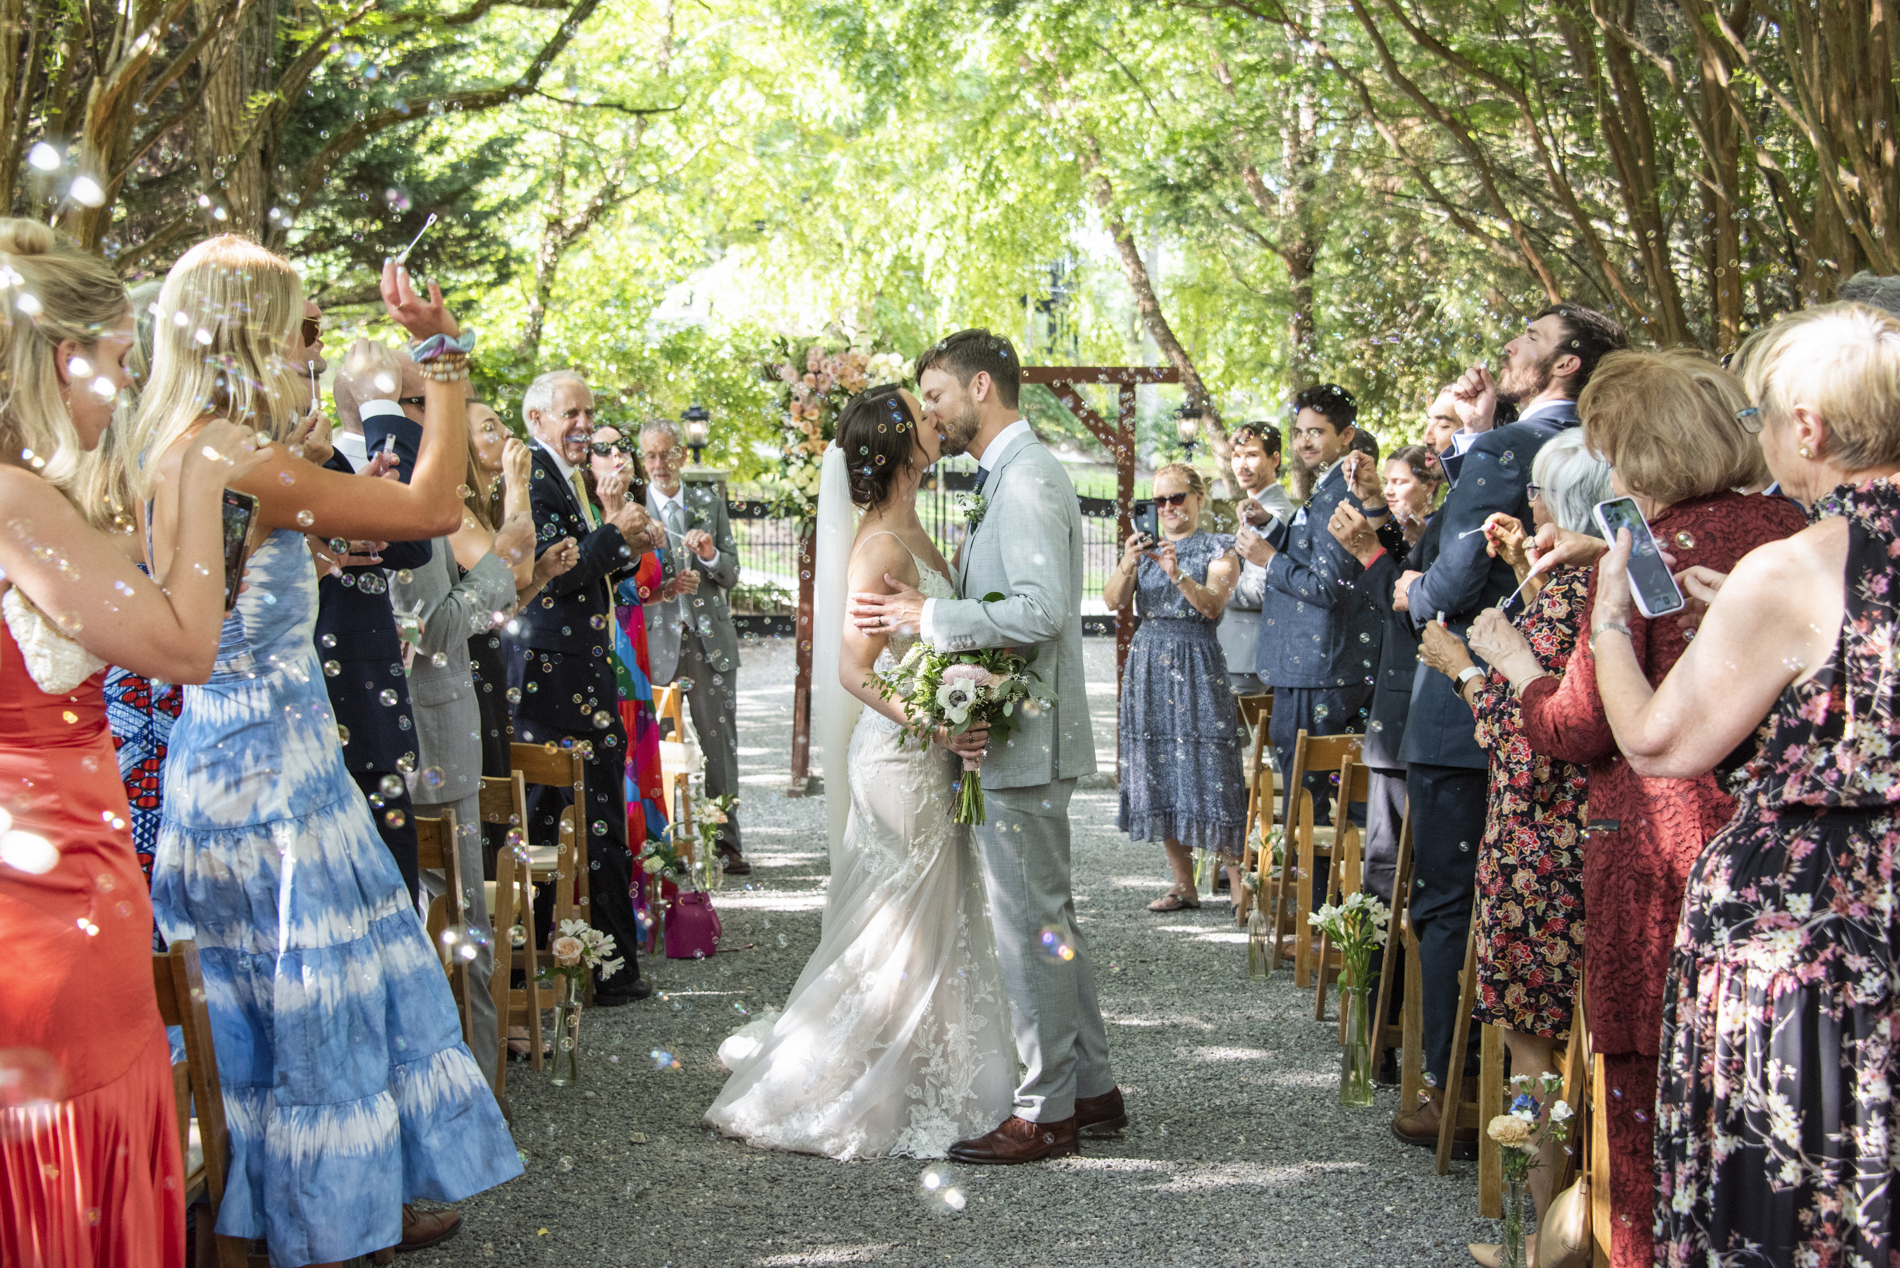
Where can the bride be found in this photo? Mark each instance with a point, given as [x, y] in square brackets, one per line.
[896, 1038]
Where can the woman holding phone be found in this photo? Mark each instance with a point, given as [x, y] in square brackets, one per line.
[349, 1087]
[90, 1143]
[1667, 425]
[1180, 752]
[1776, 1121]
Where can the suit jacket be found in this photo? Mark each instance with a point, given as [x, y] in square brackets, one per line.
[356, 631]
[562, 618]
[1398, 658]
[1028, 548]
[448, 716]
[1239, 626]
[1312, 617]
[1459, 579]
[705, 614]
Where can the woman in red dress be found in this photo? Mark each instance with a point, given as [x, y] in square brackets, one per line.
[1667, 424]
[90, 1173]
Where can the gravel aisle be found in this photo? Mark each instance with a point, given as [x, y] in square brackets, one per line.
[1238, 1153]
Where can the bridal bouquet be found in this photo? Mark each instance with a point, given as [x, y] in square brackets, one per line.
[959, 690]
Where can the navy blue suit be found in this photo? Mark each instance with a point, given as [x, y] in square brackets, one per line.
[356, 634]
[559, 649]
[1319, 643]
[1445, 768]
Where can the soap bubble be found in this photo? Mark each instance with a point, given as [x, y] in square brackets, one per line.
[388, 697]
[305, 519]
[940, 1190]
[432, 777]
[664, 1060]
[391, 786]
[1054, 941]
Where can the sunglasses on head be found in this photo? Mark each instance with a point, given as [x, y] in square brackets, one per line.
[1171, 499]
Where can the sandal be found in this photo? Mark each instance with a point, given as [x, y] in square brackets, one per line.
[1172, 901]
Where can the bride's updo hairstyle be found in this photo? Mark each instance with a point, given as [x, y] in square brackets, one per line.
[50, 291]
[227, 317]
[877, 436]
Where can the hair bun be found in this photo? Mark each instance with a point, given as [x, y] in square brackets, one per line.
[27, 237]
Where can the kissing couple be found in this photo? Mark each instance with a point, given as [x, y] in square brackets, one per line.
[893, 1040]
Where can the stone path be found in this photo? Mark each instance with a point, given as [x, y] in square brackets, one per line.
[1238, 1153]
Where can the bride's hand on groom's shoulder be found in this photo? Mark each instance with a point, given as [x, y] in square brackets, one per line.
[881, 615]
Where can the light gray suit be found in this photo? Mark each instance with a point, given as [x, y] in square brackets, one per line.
[1239, 626]
[448, 739]
[1028, 548]
[693, 637]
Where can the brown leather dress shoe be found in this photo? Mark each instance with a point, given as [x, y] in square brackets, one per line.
[1101, 1115]
[422, 1229]
[1018, 1140]
[1420, 1127]
[736, 863]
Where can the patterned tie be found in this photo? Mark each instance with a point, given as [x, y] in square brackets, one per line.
[580, 495]
[982, 478]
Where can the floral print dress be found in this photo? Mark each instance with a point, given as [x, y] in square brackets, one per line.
[1530, 864]
[1775, 1140]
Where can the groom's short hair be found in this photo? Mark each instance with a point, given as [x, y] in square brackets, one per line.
[969, 353]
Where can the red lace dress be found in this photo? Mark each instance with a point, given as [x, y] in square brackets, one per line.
[1530, 864]
[90, 1175]
[1776, 1132]
[1644, 836]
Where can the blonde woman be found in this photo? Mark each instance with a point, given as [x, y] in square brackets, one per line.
[89, 1141]
[1180, 748]
[348, 1087]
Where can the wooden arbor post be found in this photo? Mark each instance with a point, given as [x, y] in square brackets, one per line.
[1119, 441]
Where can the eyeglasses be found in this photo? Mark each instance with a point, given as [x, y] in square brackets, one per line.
[418, 401]
[1171, 499]
[1749, 418]
[1535, 492]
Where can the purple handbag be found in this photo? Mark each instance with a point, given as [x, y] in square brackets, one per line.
[692, 926]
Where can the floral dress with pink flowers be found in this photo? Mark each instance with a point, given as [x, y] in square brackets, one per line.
[1775, 1134]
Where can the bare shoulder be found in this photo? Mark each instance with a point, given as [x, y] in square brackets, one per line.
[27, 496]
[874, 555]
[1814, 557]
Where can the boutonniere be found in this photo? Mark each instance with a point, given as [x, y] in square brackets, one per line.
[974, 507]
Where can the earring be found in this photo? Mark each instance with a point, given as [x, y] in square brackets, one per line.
[1805, 452]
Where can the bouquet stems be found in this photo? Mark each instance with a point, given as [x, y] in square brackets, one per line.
[970, 794]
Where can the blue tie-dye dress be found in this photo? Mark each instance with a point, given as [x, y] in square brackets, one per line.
[346, 1083]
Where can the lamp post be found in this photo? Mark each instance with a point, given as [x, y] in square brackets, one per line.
[697, 420]
[1187, 425]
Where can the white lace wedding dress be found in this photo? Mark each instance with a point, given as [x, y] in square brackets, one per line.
[896, 1039]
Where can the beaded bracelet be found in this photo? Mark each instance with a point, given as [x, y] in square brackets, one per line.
[445, 369]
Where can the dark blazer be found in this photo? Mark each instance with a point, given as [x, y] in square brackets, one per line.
[562, 617]
[1311, 614]
[1461, 580]
[1398, 656]
[356, 631]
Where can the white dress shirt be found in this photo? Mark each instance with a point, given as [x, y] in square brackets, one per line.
[986, 460]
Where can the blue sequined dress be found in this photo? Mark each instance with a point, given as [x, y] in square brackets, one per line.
[347, 1087]
[1180, 730]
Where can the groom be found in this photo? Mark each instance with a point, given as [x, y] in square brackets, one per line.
[1025, 549]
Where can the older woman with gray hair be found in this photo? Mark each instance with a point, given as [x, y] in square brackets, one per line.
[1530, 862]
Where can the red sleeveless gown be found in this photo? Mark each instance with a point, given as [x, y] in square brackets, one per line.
[90, 1175]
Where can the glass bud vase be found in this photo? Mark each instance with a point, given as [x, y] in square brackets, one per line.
[1259, 945]
[1355, 1061]
[1517, 1223]
[567, 1031]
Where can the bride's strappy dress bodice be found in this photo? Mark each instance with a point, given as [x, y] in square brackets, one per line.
[896, 1039]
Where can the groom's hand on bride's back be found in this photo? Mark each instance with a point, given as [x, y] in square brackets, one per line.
[881, 615]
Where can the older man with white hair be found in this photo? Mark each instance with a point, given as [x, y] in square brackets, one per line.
[560, 657]
[691, 637]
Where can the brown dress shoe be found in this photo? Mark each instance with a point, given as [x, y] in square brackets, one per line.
[1101, 1115]
[422, 1229]
[1420, 1127]
[1018, 1140]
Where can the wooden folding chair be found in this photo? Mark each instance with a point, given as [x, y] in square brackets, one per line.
[178, 981]
[1256, 714]
[436, 852]
[1401, 943]
[666, 708]
[510, 899]
[562, 865]
[1291, 892]
[1466, 1106]
[1346, 876]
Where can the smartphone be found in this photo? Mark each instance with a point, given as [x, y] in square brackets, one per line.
[1655, 590]
[1148, 522]
[239, 510]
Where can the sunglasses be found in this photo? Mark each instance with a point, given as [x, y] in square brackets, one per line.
[1171, 499]
[418, 401]
[601, 448]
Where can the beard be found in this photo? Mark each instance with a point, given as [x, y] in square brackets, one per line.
[1519, 384]
[959, 429]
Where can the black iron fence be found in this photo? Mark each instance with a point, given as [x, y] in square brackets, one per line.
[769, 565]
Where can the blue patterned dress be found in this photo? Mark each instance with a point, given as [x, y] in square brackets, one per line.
[346, 1083]
[1180, 731]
